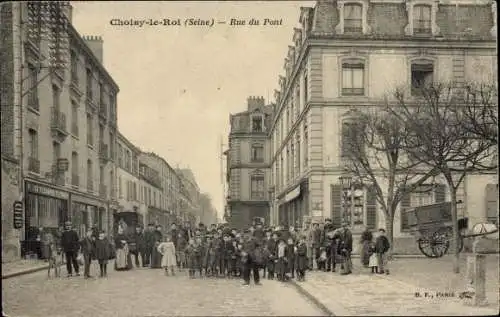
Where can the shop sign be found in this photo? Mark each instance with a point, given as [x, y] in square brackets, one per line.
[294, 193]
[46, 191]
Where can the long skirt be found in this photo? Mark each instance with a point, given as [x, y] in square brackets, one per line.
[122, 261]
[155, 259]
[365, 255]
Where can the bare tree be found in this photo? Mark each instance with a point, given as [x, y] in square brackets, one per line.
[377, 155]
[440, 138]
[481, 111]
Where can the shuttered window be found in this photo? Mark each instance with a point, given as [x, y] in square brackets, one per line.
[492, 203]
[404, 206]
[371, 208]
[336, 205]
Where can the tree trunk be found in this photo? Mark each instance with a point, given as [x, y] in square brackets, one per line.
[456, 233]
[389, 230]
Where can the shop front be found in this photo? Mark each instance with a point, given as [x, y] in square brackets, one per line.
[293, 206]
[86, 213]
[128, 219]
[159, 217]
[46, 208]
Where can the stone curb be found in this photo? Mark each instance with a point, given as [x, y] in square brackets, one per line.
[26, 271]
[312, 298]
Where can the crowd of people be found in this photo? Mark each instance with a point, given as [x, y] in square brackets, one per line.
[219, 251]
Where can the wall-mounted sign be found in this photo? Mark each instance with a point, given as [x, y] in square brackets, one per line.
[46, 191]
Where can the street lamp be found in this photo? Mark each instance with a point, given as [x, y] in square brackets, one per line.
[345, 182]
[350, 201]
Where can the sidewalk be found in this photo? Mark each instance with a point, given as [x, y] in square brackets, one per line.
[21, 267]
[380, 295]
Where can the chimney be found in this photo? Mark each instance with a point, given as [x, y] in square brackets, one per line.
[95, 44]
[255, 102]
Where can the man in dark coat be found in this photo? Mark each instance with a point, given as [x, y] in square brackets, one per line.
[149, 241]
[70, 245]
[345, 248]
[316, 242]
[330, 245]
[137, 245]
[248, 259]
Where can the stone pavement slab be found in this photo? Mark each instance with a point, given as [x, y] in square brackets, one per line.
[147, 292]
[22, 266]
[375, 295]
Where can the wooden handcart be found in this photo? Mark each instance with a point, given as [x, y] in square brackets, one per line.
[432, 226]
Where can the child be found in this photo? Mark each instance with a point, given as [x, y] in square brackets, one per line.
[281, 261]
[302, 260]
[55, 256]
[373, 260]
[290, 257]
[211, 267]
[322, 259]
[103, 253]
[193, 253]
[168, 259]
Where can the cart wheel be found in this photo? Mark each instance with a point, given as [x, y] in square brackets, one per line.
[425, 246]
[440, 243]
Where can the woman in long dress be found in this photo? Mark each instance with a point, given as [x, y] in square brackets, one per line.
[122, 262]
[155, 255]
[168, 260]
[366, 240]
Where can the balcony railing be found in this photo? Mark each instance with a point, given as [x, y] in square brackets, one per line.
[58, 121]
[75, 180]
[103, 190]
[258, 195]
[34, 165]
[57, 176]
[33, 101]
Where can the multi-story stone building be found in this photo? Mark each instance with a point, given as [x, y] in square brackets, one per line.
[157, 172]
[350, 54]
[129, 185]
[64, 127]
[208, 214]
[190, 196]
[248, 164]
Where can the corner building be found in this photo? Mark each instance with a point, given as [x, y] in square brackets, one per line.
[248, 164]
[350, 54]
[66, 130]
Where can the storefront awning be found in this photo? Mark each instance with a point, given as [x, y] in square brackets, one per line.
[294, 193]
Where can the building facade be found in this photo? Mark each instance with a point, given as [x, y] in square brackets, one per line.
[351, 54]
[63, 128]
[131, 208]
[190, 196]
[248, 164]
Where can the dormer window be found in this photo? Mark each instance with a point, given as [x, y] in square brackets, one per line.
[422, 18]
[257, 124]
[353, 18]
[422, 21]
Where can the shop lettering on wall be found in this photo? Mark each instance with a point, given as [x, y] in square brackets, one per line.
[46, 191]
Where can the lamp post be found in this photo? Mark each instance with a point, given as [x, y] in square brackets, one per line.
[346, 183]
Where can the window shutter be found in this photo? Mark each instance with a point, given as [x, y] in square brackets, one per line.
[371, 207]
[336, 205]
[404, 205]
[440, 193]
[492, 203]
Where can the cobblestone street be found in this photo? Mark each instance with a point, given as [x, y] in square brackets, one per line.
[146, 292]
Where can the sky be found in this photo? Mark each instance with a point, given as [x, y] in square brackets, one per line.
[179, 84]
